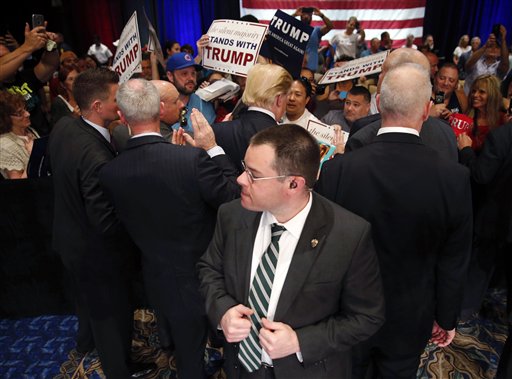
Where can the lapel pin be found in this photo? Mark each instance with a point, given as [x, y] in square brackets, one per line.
[314, 242]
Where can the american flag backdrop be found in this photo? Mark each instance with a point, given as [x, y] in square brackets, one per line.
[398, 17]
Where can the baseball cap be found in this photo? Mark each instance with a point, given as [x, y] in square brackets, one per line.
[178, 61]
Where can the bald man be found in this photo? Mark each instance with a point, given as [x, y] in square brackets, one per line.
[419, 206]
[435, 133]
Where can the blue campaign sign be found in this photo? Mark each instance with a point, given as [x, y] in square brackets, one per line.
[286, 42]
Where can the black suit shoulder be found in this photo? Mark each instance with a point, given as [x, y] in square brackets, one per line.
[233, 136]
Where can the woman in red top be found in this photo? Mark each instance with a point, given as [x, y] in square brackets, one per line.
[486, 108]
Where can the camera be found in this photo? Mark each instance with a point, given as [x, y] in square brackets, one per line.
[439, 99]
[37, 20]
[497, 33]
[357, 26]
[320, 89]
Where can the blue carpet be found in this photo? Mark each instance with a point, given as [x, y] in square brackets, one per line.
[42, 347]
[35, 347]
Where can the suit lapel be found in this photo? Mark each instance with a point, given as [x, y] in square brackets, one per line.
[308, 248]
[89, 129]
[244, 245]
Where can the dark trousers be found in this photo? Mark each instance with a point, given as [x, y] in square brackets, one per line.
[105, 317]
[264, 372]
[180, 311]
[370, 362]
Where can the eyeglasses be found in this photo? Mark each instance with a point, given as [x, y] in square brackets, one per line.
[20, 113]
[253, 178]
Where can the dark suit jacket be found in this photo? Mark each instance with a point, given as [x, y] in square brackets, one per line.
[167, 197]
[331, 297]
[493, 169]
[233, 136]
[85, 223]
[435, 133]
[419, 206]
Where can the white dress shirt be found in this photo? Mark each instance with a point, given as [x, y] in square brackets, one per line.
[287, 245]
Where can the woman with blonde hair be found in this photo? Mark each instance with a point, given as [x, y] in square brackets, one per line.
[485, 107]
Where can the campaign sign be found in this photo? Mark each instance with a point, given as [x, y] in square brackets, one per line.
[154, 42]
[234, 46]
[287, 40]
[129, 52]
[324, 134]
[460, 123]
[355, 69]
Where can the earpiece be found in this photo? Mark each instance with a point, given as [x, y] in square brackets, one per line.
[293, 184]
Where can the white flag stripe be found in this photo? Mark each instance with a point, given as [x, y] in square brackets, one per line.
[345, 14]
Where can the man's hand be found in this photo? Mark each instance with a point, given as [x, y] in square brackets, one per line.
[297, 12]
[440, 111]
[236, 324]
[463, 140]
[278, 339]
[201, 44]
[35, 39]
[177, 137]
[317, 12]
[441, 337]
[339, 139]
[204, 137]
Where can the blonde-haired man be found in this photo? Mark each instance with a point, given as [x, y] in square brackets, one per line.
[266, 95]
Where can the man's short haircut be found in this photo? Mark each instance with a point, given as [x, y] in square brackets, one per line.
[139, 101]
[401, 56]
[405, 90]
[264, 83]
[93, 84]
[296, 150]
[306, 84]
[361, 91]
[449, 65]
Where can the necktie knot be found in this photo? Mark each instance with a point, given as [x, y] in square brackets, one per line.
[276, 232]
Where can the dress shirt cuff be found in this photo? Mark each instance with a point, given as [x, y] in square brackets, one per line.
[214, 151]
[299, 356]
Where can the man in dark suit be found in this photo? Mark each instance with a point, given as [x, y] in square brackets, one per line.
[86, 232]
[419, 206]
[326, 293]
[171, 234]
[493, 220]
[266, 95]
[434, 133]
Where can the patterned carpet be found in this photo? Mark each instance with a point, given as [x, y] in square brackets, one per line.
[42, 347]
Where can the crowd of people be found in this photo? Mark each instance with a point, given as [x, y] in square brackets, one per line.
[243, 239]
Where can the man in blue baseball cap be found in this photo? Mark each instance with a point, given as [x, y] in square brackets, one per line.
[182, 72]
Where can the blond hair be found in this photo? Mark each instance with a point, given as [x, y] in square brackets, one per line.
[264, 83]
[491, 85]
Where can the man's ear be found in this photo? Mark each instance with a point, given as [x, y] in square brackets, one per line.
[427, 109]
[377, 98]
[122, 118]
[170, 76]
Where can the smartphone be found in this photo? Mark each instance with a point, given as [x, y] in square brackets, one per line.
[307, 9]
[496, 30]
[509, 111]
[37, 20]
[439, 99]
